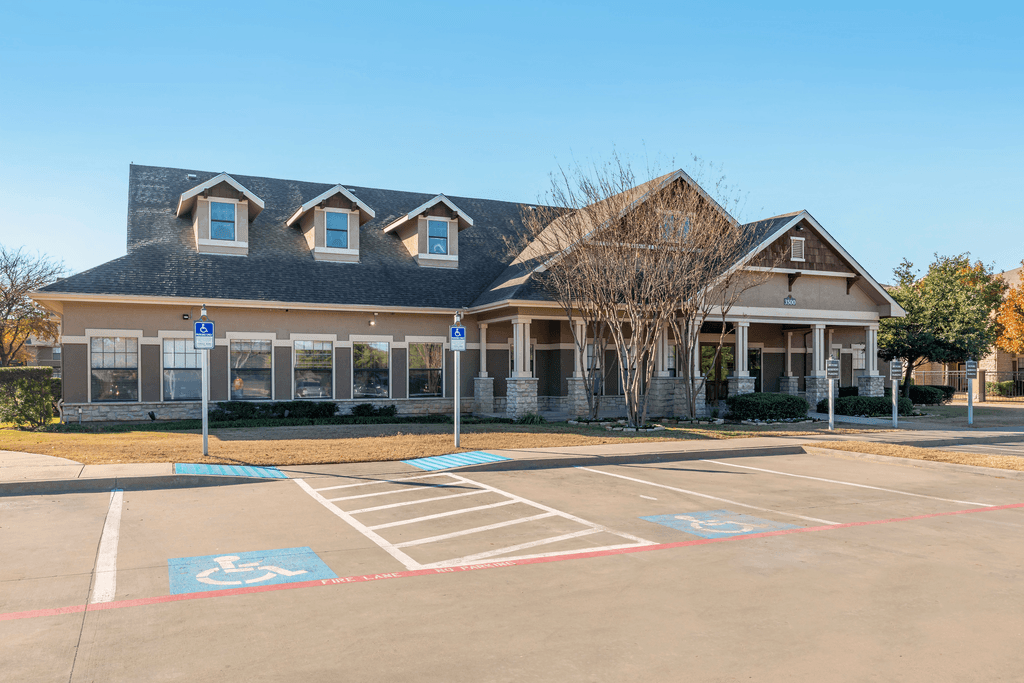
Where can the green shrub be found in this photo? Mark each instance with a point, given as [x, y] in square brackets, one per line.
[761, 406]
[530, 419]
[27, 401]
[1000, 388]
[871, 406]
[947, 391]
[227, 411]
[848, 391]
[923, 395]
[369, 410]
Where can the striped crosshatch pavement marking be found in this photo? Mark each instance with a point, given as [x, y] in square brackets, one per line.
[444, 462]
[351, 501]
[229, 470]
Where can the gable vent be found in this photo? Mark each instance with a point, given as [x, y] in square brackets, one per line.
[796, 248]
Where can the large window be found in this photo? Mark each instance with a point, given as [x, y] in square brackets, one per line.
[250, 370]
[222, 221]
[337, 230]
[183, 374]
[56, 353]
[425, 361]
[313, 368]
[437, 237]
[115, 368]
[370, 370]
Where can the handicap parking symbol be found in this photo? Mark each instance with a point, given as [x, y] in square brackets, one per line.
[717, 523]
[238, 570]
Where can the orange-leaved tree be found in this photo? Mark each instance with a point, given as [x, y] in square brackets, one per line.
[1010, 318]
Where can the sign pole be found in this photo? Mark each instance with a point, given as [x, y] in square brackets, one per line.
[895, 402]
[972, 375]
[457, 342]
[203, 340]
[832, 375]
[458, 381]
[206, 402]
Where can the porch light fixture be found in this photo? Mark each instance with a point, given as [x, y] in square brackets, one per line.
[373, 320]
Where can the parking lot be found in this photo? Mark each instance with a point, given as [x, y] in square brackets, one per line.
[726, 567]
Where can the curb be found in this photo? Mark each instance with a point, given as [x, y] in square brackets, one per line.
[923, 464]
[36, 487]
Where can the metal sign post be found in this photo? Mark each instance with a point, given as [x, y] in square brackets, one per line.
[832, 374]
[895, 374]
[202, 340]
[457, 342]
[972, 374]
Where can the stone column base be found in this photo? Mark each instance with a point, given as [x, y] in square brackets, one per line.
[483, 394]
[870, 385]
[741, 385]
[661, 396]
[680, 408]
[521, 396]
[576, 401]
[817, 389]
[789, 385]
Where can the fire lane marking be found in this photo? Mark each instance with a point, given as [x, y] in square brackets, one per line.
[704, 495]
[847, 483]
[526, 560]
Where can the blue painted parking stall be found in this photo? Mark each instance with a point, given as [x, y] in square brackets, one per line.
[444, 462]
[718, 523]
[238, 570]
[229, 470]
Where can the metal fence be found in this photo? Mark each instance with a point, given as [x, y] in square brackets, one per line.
[999, 386]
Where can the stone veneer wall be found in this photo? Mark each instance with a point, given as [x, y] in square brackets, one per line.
[483, 394]
[521, 396]
[816, 389]
[869, 385]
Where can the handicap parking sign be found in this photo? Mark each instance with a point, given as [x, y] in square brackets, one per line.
[238, 570]
[718, 523]
[202, 337]
[457, 338]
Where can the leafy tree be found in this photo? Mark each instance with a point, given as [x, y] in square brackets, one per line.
[20, 318]
[1010, 318]
[949, 313]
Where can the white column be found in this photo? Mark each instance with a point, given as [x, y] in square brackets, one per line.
[483, 349]
[526, 349]
[818, 351]
[521, 346]
[789, 354]
[579, 358]
[661, 357]
[742, 329]
[871, 349]
[695, 350]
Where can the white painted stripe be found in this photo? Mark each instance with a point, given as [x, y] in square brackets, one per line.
[105, 584]
[388, 493]
[439, 515]
[554, 553]
[582, 521]
[704, 495]
[388, 547]
[381, 481]
[847, 483]
[475, 530]
[648, 497]
[416, 502]
[512, 548]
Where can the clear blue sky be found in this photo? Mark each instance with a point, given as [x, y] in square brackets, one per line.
[897, 125]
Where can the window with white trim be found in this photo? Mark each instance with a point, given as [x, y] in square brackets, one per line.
[437, 237]
[251, 369]
[222, 221]
[670, 363]
[337, 223]
[56, 353]
[370, 362]
[425, 365]
[314, 369]
[183, 373]
[796, 248]
[114, 365]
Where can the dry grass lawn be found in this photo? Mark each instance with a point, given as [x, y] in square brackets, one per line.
[1005, 462]
[986, 416]
[348, 443]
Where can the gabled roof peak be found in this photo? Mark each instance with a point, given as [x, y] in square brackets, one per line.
[187, 199]
[464, 220]
[367, 212]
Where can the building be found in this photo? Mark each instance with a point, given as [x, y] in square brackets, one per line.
[341, 292]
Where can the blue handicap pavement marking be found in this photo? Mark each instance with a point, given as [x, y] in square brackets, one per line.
[718, 523]
[443, 462]
[238, 570]
[229, 470]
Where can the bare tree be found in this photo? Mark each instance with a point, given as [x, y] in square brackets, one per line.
[20, 318]
[637, 258]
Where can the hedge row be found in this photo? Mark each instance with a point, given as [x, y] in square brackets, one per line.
[763, 406]
[184, 425]
[871, 406]
[27, 398]
[921, 395]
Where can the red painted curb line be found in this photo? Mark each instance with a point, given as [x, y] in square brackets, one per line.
[139, 602]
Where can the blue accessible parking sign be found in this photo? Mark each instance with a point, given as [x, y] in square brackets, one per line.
[202, 337]
[718, 523]
[457, 338]
[238, 570]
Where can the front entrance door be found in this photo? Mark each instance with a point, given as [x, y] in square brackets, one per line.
[716, 370]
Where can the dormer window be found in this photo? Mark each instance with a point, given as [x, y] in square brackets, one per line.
[221, 210]
[330, 223]
[437, 236]
[430, 232]
[222, 221]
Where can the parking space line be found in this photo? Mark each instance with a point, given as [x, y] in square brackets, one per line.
[380, 481]
[439, 515]
[387, 493]
[466, 532]
[704, 495]
[416, 502]
[847, 483]
[105, 584]
[389, 548]
[513, 548]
